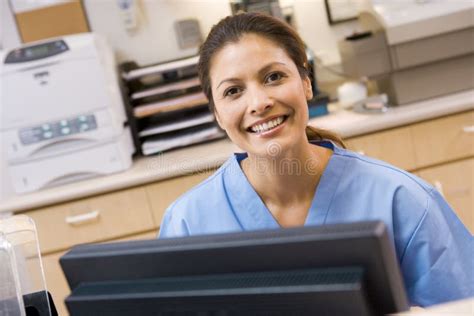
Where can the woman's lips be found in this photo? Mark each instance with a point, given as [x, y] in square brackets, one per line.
[273, 131]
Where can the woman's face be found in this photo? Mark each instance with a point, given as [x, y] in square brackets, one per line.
[260, 98]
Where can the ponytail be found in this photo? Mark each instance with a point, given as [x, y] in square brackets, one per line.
[318, 134]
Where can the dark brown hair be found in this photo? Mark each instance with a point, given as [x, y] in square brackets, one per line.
[232, 28]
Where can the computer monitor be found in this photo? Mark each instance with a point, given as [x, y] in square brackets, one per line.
[342, 269]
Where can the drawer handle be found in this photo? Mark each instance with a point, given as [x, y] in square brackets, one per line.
[468, 129]
[82, 218]
[439, 186]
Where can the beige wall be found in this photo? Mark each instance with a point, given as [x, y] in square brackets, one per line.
[155, 41]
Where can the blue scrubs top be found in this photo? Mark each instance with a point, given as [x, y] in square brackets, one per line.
[434, 249]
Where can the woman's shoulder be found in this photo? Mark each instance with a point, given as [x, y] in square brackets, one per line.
[368, 176]
[204, 192]
[372, 169]
[201, 209]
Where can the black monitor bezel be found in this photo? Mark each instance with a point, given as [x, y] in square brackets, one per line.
[365, 244]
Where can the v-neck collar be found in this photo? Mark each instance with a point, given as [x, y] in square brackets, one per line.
[253, 214]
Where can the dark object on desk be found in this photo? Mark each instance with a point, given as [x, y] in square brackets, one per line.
[39, 304]
[358, 36]
[318, 106]
[325, 270]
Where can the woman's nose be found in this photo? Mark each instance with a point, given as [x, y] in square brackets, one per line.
[259, 101]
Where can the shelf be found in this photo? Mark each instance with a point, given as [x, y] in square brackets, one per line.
[172, 104]
[166, 88]
[160, 68]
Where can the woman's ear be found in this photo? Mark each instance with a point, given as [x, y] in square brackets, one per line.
[308, 89]
[217, 118]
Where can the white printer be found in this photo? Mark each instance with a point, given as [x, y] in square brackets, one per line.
[415, 49]
[62, 114]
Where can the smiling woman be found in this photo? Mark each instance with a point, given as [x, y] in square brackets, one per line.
[255, 102]
[273, 33]
[253, 69]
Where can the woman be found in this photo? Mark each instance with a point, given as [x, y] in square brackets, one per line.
[253, 69]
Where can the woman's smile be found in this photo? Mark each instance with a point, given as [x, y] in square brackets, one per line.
[268, 127]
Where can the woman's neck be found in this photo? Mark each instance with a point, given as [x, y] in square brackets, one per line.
[287, 179]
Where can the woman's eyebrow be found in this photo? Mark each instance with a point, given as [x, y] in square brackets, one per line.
[268, 66]
[264, 69]
[227, 80]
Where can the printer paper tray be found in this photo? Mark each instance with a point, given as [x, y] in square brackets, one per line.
[100, 160]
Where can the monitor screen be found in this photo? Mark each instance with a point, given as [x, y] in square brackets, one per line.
[341, 269]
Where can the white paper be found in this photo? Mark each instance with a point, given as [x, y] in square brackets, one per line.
[173, 126]
[180, 85]
[154, 146]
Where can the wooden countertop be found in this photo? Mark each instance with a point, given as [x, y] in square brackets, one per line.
[211, 155]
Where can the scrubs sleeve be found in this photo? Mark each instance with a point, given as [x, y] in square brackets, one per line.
[172, 224]
[439, 259]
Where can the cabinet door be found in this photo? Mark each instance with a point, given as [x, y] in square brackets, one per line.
[55, 280]
[92, 219]
[444, 139]
[393, 146]
[456, 182]
[163, 193]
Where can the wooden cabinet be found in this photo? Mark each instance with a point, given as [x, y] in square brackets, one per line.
[444, 139]
[103, 217]
[422, 144]
[393, 146]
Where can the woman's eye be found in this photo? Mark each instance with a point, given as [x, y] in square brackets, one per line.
[231, 91]
[276, 76]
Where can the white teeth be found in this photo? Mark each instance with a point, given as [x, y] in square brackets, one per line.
[267, 125]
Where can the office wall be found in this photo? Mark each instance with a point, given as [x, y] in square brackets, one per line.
[9, 36]
[322, 38]
[6, 189]
[155, 41]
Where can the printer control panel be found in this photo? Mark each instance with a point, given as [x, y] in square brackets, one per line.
[66, 127]
[35, 52]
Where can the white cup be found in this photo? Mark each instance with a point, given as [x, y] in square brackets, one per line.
[350, 93]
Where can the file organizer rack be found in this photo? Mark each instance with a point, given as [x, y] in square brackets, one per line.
[166, 106]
